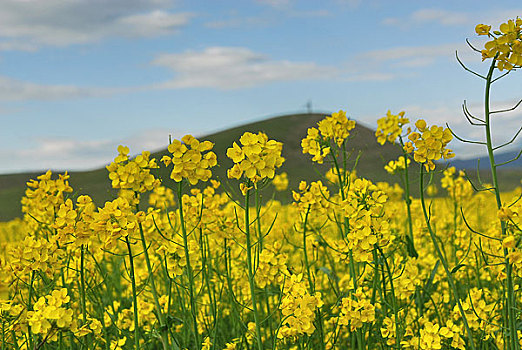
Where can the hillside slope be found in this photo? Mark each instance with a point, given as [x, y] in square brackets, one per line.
[289, 129]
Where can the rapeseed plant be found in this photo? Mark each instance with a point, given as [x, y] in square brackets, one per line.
[350, 264]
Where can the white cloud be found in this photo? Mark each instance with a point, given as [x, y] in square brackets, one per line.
[16, 90]
[369, 76]
[311, 13]
[423, 16]
[438, 16]
[278, 4]
[235, 22]
[153, 23]
[451, 18]
[73, 154]
[34, 23]
[495, 18]
[414, 56]
[235, 67]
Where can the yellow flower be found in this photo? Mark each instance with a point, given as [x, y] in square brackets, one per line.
[334, 128]
[506, 44]
[509, 242]
[298, 308]
[132, 174]
[429, 144]
[280, 182]
[256, 159]
[118, 344]
[482, 29]
[191, 159]
[390, 127]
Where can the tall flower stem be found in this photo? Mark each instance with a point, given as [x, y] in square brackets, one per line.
[443, 260]
[510, 295]
[190, 273]
[411, 244]
[311, 283]
[164, 330]
[250, 269]
[134, 294]
[30, 307]
[82, 289]
[346, 228]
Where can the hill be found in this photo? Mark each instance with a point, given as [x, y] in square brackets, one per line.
[289, 129]
[484, 161]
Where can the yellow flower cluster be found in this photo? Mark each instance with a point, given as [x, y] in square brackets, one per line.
[477, 309]
[406, 278]
[175, 259]
[51, 312]
[429, 144]
[118, 343]
[458, 187]
[132, 174]
[272, 266]
[314, 145]
[298, 308]
[356, 310]
[313, 197]
[44, 196]
[390, 127]
[347, 176]
[430, 338]
[203, 208]
[334, 128]
[35, 255]
[511, 214]
[162, 197]
[394, 193]
[73, 224]
[191, 159]
[256, 158]
[506, 44]
[394, 165]
[280, 182]
[115, 220]
[364, 208]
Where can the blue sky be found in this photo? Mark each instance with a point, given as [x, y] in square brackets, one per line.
[79, 77]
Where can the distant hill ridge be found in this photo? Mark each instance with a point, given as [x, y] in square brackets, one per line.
[483, 162]
[289, 129]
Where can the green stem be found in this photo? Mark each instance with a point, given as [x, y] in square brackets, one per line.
[82, 291]
[134, 295]
[398, 324]
[190, 273]
[411, 247]
[311, 284]
[82, 283]
[251, 270]
[443, 260]
[510, 297]
[29, 308]
[342, 184]
[163, 327]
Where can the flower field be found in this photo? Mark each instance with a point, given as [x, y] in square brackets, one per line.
[349, 264]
